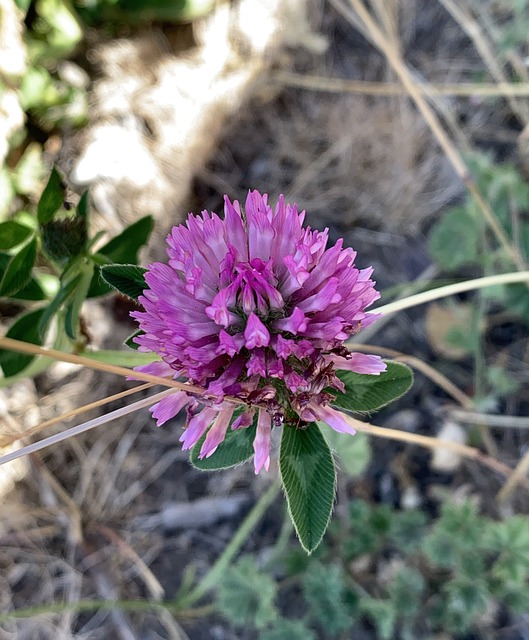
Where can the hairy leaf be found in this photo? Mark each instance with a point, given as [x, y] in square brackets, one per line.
[309, 479]
[123, 249]
[367, 392]
[236, 448]
[128, 279]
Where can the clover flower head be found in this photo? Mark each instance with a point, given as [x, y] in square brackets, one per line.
[254, 307]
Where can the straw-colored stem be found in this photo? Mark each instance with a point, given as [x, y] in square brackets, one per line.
[436, 443]
[9, 439]
[517, 477]
[473, 30]
[490, 419]
[61, 356]
[431, 373]
[433, 122]
[85, 426]
[362, 87]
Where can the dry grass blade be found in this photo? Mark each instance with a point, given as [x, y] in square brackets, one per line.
[436, 377]
[149, 579]
[472, 28]
[435, 443]
[517, 477]
[495, 33]
[62, 356]
[7, 440]
[409, 83]
[362, 87]
[85, 426]
[491, 419]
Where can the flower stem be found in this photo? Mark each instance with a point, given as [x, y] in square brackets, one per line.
[212, 576]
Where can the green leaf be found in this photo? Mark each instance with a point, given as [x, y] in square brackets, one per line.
[73, 307]
[18, 271]
[325, 592]
[121, 358]
[12, 233]
[125, 246]
[52, 198]
[246, 595]
[128, 279]
[32, 291]
[236, 448]
[367, 392]
[123, 249]
[82, 207]
[353, 452]
[455, 239]
[129, 342]
[469, 596]
[284, 629]
[24, 328]
[309, 479]
[62, 296]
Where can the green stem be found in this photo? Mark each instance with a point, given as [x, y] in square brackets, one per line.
[212, 576]
[88, 605]
[452, 289]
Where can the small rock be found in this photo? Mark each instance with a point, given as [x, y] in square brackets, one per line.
[446, 460]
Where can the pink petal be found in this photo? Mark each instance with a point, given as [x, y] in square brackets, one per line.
[197, 427]
[295, 323]
[256, 334]
[360, 363]
[158, 368]
[262, 441]
[333, 418]
[217, 433]
[169, 407]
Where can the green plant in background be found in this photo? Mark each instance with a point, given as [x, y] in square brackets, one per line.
[461, 240]
[441, 576]
[49, 89]
[49, 265]
[97, 12]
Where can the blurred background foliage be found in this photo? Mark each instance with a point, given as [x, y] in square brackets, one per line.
[44, 77]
